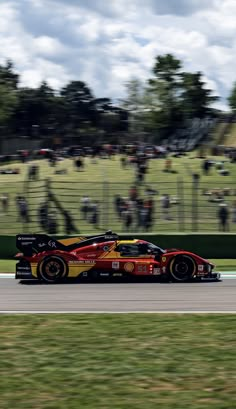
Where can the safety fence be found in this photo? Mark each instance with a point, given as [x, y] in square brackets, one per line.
[64, 206]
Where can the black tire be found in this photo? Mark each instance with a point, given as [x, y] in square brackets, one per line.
[52, 269]
[182, 268]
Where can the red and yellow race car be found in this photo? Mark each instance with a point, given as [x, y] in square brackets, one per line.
[106, 255]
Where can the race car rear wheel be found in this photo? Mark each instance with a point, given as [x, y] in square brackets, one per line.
[52, 269]
[182, 268]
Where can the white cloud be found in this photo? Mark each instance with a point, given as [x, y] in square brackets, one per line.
[106, 43]
[54, 73]
[48, 46]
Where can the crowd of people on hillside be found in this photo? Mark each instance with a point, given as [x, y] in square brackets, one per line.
[135, 211]
[138, 213]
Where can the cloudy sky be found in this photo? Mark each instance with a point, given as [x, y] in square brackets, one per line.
[107, 42]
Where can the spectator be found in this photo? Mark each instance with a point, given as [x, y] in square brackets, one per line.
[123, 162]
[143, 167]
[196, 178]
[223, 216]
[206, 164]
[52, 226]
[168, 165]
[85, 206]
[117, 203]
[234, 212]
[52, 160]
[23, 154]
[127, 218]
[139, 175]
[23, 210]
[149, 205]
[69, 224]
[5, 202]
[165, 204]
[33, 172]
[43, 215]
[139, 207]
[94, 218]
[18, 198]
[123, 205]
[143, 216]
[133, 193]
[79, 164]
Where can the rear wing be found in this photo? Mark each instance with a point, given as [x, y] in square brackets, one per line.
[29, 244]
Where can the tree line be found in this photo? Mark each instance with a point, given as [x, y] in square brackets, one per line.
[160, 105]
[44, 112]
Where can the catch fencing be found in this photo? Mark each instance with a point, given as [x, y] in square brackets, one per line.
[64, 206]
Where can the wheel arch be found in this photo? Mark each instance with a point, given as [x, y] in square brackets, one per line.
[57, 257]
[174, 258]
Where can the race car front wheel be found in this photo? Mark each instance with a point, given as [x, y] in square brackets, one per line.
[182, 268]
[52, 269]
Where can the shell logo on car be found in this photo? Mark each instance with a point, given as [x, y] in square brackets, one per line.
[128, 267]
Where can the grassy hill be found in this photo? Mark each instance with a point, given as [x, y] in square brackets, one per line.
[230, 138]
[220, 132]
[106, 178]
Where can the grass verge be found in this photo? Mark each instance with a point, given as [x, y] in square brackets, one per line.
[117, 361]
[8, 266]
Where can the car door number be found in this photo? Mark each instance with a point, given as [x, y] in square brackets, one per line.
[142, 268]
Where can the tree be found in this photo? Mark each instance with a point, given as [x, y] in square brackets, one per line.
[134, 97]
[36, 111]
[196, 99]
[103, 112]
[79, 102]
[135, 104]
[8, 94]
[167, 69]
[8, 102]
[232, 99]
[165, 87]
[110, 118]
[47, 105]
[181, 95]
[7, 76]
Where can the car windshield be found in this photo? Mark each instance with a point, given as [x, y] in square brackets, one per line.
[139, 249]
[155, 249]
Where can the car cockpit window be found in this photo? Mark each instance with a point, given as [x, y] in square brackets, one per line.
[128, 249]
[139, 249]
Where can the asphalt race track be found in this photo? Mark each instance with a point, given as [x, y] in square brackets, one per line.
[117, 297]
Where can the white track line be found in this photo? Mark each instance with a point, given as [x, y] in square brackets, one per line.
[224, 275]
[7, 275]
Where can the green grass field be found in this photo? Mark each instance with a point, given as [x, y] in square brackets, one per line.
[117, 361]
[103, 180]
